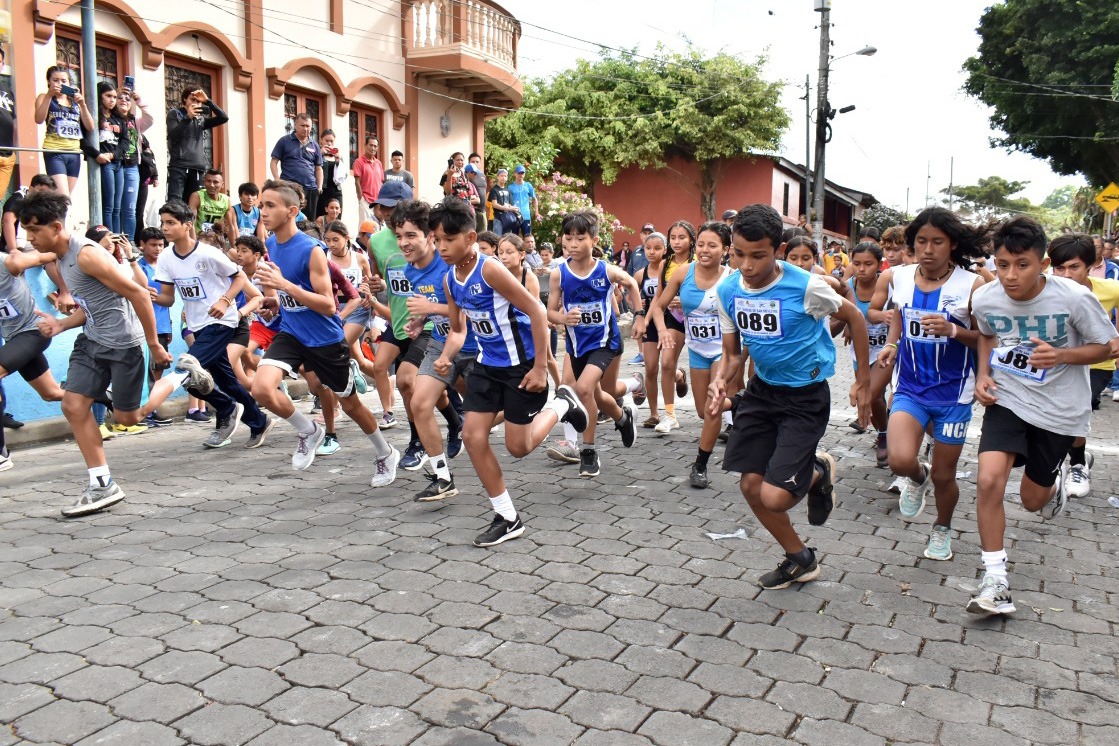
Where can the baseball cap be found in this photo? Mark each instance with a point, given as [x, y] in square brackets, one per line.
[649, 227]
[503, 171]
[469, 168]
[728, 214]
[97, 232]
[368, 226]
[393, 192]
[519, 169]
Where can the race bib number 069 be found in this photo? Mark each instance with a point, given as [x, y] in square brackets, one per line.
[758, 317]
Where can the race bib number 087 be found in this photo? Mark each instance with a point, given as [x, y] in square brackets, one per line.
[758, 317]
[190, 288]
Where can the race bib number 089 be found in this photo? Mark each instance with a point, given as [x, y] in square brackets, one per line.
[758, 317]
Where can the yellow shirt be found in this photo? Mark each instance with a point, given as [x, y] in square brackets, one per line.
[1107, 293]
[831, 261]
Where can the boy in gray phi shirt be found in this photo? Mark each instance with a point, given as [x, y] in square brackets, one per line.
[1038, 335]
[115, 313]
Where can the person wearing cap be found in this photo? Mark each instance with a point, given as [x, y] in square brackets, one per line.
[729, 216]
[504, 211]
[365, 232]
[456, 181]
[524, 197]
[297, 157]
[369, 175]
[477, 177]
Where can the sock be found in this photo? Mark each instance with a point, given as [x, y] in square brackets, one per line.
[995, 563]
[881, 436]
[415, 435]
[332, 435]
[569, 433]
[381, 447]
[176, 378]
[503, 506]
[560, 406]
[452, 418]
[1076, 455]
[701, 458]
[670, 410]
[802, 558]
[589, 447]
[302, 423]
[99, 476]
[439, 465]
[192, 410]
[632, 384]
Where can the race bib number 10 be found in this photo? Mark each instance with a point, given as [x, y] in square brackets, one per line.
[758, 317]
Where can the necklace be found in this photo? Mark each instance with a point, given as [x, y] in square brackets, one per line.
[935, 279]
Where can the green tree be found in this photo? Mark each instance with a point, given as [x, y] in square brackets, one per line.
[1060, 198]
[623, 110]
[992, 196]
[1046, 67]
[882, 217]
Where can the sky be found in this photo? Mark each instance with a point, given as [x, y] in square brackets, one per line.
[912, 118]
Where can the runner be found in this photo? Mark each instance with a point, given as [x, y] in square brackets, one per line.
[355, 267]
[681, 240]
[649, 280]
[511, 252]
[866, 260]
[244, 217]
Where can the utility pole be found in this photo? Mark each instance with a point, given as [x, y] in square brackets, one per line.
[951, 182]
[807, 147]
[819, 188]
[928, 181]
[93, 103]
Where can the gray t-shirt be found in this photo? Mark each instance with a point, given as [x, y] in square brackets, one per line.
[401, 175]
[17, 305]
[110, 319]
[1064, 314]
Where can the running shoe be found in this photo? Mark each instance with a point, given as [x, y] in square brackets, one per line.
[681, 383]
[223, 433]
[500, 530]
[154, 420]
[1080, 478]
[911, 501]
[699, 477]
[94, 499]
[106, 432]
[385, 469]
[641, 394]
[1115, 395]
[439, 489]
[10, 422]
[316, 406]
[602, 418]
[667, 424]
[306, 446]
[563, 451]
[651, 422]
[387, 421]
[576, 413]
[129, 429]
[854, 425]
[821, 495]
[198, 378]
[1059, 501]
[5, 460]
[896, 485]
[639, 360]
[940, 544]
[256, 440]
[993, 597]
[198, 417]
[454, 442]
[627, 426]
[789, 572]
[589, 463]
[360, 384]
[329, 445]
[414, 457]
[881, 454]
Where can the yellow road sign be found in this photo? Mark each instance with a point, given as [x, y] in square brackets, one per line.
[1108, 199]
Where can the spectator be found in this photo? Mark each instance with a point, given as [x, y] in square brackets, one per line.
[149, 177]
[638, 262]
[129, 105]
[524, 197]
[729, 216]
[109, 153]
[397, 172]
[870, 233]
[66, 116]
[7, 134]
[334, 172]
[8, 238]
[456, 183]
[369, 176]
[211, 204]
[186, 133]
[623, 257]
[298, 158]
[477, 177]
[504, 211]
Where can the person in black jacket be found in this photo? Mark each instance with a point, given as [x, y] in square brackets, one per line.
[149, 176]
[186, 128]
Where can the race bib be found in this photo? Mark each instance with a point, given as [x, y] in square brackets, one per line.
[703, 326]
[353, 275]
[398, 283]
[207, 226]
[877, 334]
[67, 128]
[915, 332]
[7, 310]
[85, 309]
[190, 288]
[481, 323]
[440, 324]
[288, 303]
[1016, 361]
[650, 287]
[758, 317]
[590, 314]
[243, 231]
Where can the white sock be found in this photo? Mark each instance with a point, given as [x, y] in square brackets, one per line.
[559, 406]
[440, 467]
[381, 446]
[632, 384]
[569, 433]
[99, 476]
[503, 506]
[302, 423]
[995, 563]
[176, 378]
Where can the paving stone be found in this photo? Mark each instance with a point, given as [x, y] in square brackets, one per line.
[604, 710]
[265, 652]
[597, 675]
[455, 737]
[405, 627]
[237, 685]
[831, 732]
[20, 699]
[453, 708]
[304, 735]
[519, 727]
[223, 725]
[1033, 725]
[733, 681]
[466, 642]
[944, 704]
[164, 703]
[279, 624]
[40, 668]
[71, 639]
[529, 691]
[753, 716]
[182, 667]
[664, 693]
[970, 733]
[315, 669]
[450, 672]
[301, 705]
[386, 689]
[97, 683]
[63, 721]
[787, 667]
[393, 656]
[895, 723]
[864, 686]
[656, 661]
[678, 729]
[581, 644]
[330, 639]
[593, 737]
[128, 733]
[525, 658]
[809, 701]
[379, 726]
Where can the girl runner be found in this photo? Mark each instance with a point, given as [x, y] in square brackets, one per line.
[681, 239]
[648, 278]
[866, 259]
[355, 268]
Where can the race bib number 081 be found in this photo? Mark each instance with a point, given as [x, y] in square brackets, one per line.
[758, 317]
[1016, 361]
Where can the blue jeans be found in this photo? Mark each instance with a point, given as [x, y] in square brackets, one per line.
[128, 200]
[112, 189]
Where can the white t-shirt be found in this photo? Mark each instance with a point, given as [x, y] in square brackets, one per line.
[202, 277]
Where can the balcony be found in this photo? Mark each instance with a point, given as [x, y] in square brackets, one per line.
[467, 45]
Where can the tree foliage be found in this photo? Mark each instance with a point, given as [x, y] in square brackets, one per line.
[881, 216]
[625, 110]
[992, 196]
[1047, 67]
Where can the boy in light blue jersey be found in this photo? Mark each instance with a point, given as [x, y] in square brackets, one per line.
[780, 312]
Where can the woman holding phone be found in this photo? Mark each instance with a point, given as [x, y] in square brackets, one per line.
[63, 110]
[132, 119]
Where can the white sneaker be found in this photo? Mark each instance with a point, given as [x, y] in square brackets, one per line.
[667, 424]
[5, 460]
[993, 597]
[1115, 395]
[1059, 502]
[305, 448]
[385, 469]
[911, 502]
[1080, 478]
[896, 485]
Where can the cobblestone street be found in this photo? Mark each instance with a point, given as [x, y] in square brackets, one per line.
[231, 600]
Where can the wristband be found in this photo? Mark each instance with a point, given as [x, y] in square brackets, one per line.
[891, 344]
[227, 300]
[952, 335]
[639, 313]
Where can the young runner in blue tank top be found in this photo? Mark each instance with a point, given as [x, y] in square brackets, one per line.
[509, 376]
[866, 261]
[297, 281]
[931, 345]
[779, 311]
[581, 297]
[697, 288]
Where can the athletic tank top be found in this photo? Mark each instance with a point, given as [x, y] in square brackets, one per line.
[937, 370]
[311, 328]
[110, 319]
[64, 127]
[701, 315]
[591, 296]
[17, 305]
[649, 287]
[503, 331]
[246, 222]
[210, 211]
[428, 282]
[352, 271]
[876, 333]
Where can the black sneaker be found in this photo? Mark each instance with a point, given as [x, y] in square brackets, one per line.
[821, 495]
[439, 489]
[789, 572]
[699, 477]
[589, 465]
[415, 457]
[627, 426]
[500, 530]
[454, 442]
[576, 413]
[10, 422]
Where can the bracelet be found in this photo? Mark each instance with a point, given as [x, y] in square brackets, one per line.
[639, 313]
[227, 300]
[952, 335]
[891, 344]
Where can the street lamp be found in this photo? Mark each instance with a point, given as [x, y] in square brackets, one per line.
[824, 112]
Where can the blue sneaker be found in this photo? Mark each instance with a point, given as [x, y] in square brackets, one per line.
[360, 384]
[415, 457]
[940, 544]
[913, 494]
[454, 442]
[639, 360]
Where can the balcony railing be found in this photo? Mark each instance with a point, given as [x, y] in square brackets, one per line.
[480, 26]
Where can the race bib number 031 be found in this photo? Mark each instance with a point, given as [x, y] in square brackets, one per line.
[758, 317]
[1016, 361]
[916, 332]
[703, 327]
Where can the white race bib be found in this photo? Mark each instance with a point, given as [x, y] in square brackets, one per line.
[702, 327]
[441, 325]
[876, 335]
[67, 128]
[481, 323]
[1015, 359]
[398, 283]
[915, 332]
[191, 290]
[353, 275]
[758, 317]
[7, 310]
[650, 286]
[590, 314]
[288, 303]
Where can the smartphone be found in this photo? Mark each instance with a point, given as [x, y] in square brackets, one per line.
[68, 90]
[130, 82]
